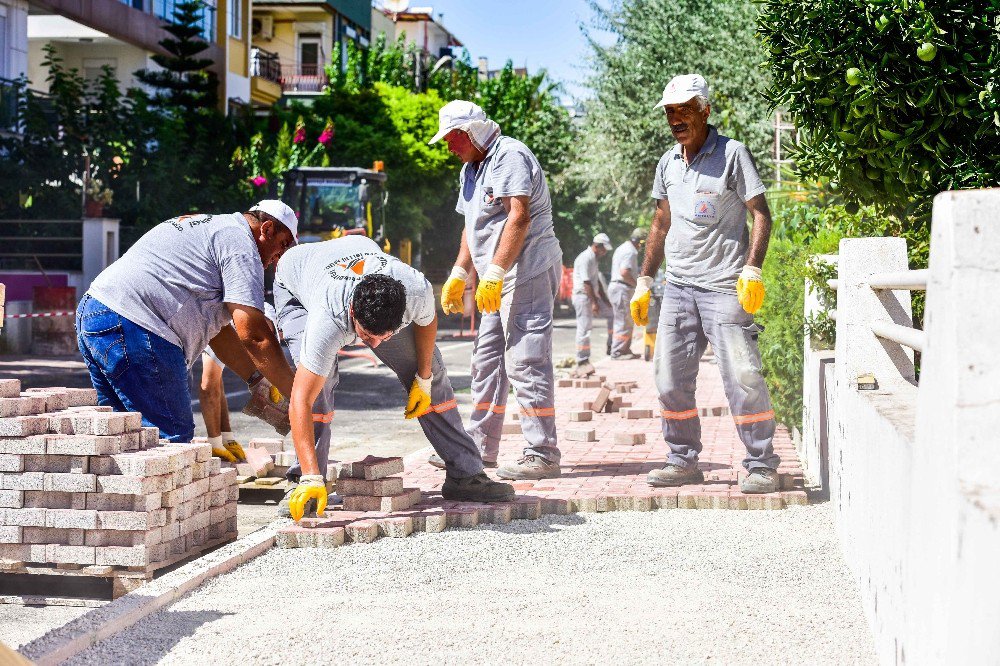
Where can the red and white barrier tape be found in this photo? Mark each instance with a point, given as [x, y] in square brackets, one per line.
[67, 313]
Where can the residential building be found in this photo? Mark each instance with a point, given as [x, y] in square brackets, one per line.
[417, 26]
[298, 38]
[122, 35]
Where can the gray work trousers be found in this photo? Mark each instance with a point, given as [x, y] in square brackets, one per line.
[691, 317]
[514, 347]
[621, 333]
[442, 424]
[585, 323]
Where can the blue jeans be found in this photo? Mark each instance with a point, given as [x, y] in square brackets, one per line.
[134, 370]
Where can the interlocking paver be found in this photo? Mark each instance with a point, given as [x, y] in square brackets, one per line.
[604, 466]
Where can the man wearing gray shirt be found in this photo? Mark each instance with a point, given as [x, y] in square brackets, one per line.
[624, 271]
[704, 187]
[508, 239]
[148, 316]
[589, 300]
[331, 294]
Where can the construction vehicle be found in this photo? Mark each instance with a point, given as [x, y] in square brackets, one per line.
[338, 201]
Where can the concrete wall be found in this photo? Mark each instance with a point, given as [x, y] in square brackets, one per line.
[127, 59]
[915, 472]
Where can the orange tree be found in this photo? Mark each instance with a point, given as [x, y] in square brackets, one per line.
[895, 100]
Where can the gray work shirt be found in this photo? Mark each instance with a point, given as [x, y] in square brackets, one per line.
[708, 239]
[585, 270]
[321, 278]
[626, 256]
[176, 280]
[508, 170]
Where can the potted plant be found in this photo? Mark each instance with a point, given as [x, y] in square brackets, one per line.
[97, 197]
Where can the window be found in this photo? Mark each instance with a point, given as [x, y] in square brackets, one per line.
[310, 54]
[165, 10]
[3, 41]
[235, 12]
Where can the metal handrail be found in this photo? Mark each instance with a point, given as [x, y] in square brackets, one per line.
[904, 335]
[907, 280]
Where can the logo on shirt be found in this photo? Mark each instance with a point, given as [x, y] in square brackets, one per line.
[189, 220]
[704, 205]
[488, 198]
[353, 267]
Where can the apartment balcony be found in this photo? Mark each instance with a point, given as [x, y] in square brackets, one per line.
[265, 77]
[303, 78]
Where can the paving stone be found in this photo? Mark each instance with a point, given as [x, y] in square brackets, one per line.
[462, 517]
[580, 435]
[57, 464]
[33, 517]
[11, 499]
[34, 444]
[396, 527]
[83, 445]
[581, 416]
[528, 508]
[22, 481]
[69, 483]
[10, 388]
[134, 485]
[795, 497]
[602, 399]
[71, 519]
[687, 499]
[149, 437]
[630, 438]
[10, 534]
[564, 383]
[259, 460]
[397, 502]
[496, 514]
[11, 462]
[376, 487]
[270, 444]
[81, 397]
[20, 406]
[131, 464]
[372, 468]
[46, 499]
[636, 413]
[362, 531]
[57, 553]
[555, 506]
[587, 383]
[124, 556]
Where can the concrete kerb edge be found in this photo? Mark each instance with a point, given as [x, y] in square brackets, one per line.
[76, 636]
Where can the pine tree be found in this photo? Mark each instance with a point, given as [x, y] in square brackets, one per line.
[184, 82]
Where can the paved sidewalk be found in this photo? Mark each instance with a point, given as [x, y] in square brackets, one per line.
[597, 475]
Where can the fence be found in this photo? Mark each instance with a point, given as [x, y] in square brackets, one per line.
[913, 469]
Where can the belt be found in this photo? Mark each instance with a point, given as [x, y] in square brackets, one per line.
[622, 282]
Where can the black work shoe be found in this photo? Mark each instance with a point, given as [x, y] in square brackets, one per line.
[760, 480]
[530, 468]
[436, 461]
[478, 488]
[674, 475]
[624, 356]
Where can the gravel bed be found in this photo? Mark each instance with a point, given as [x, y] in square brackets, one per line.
[734, 587]
[20, 624]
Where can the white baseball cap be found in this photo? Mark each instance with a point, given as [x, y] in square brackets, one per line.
[683, 88]
[280, 211]
[602, 239]
[455, 115]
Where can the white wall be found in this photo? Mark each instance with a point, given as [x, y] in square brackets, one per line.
[915, 471]
[127, 60]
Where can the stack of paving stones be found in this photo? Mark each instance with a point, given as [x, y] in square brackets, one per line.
[86, 489]
[604, 469]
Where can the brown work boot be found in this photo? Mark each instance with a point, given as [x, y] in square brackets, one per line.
[478, 488]
[530, 468]
[760, 480]
[674, 475]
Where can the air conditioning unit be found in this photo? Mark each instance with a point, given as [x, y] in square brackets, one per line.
[263, 27]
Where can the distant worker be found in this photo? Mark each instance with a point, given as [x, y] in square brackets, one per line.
[624, 271]
[509, 241]
[589, 300]
[704, 188]
[330, 294]
[214, 405]
[189, 282]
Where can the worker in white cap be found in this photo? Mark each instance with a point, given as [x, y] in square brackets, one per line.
[589, 299]
[510, 243]
[190, 282]
[624, 271]
[705, 188]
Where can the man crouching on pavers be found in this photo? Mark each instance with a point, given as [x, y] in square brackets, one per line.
[329, 294]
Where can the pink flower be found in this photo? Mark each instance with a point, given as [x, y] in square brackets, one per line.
[259, 181]
[326, 137]
[300, 135]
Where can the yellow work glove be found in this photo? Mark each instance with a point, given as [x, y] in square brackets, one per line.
[490, 286]
[639, 306]
[220, 452]
[420, 397]
[275, 395]
[236, 450]
[311, 487]
[750, 289]
[452, 291]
